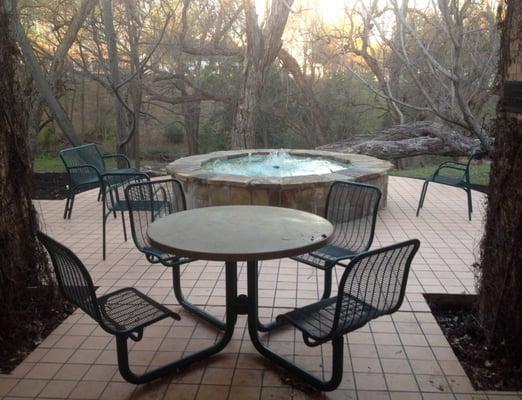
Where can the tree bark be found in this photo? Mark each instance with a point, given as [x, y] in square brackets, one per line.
[45, 90]
[110, 37]
[263, 45]
[23, 261]
[500, 278]
[418, 138]
[57, 66]
[320, 124]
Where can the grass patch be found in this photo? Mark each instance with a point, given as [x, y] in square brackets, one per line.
[48, 163]
[479, 171]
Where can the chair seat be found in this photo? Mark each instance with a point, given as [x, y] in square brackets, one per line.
[326, 257]
[316, 320]
[447, 180]
[127, 310]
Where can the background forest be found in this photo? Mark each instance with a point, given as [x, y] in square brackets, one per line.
[164, 78]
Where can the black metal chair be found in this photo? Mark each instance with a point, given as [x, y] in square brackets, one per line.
[352, 209]
[123, 313]
[84, 166]
[148, 201]
[113, 194]
[462, 180]
[372, 285]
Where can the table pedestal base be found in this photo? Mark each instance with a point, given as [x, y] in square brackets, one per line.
[235, 305]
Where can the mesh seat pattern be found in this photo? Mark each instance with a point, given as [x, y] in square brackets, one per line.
[127, 310]
[317, 320]
[114, 186]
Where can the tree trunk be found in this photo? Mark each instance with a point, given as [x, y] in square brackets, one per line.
[191, 113]
[112, 49]
[500, 280]
[415, 139]
[23, 261]
[45, 90]
[320, 124]
[263, 45]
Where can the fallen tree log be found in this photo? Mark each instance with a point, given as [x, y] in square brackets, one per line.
[408, 140]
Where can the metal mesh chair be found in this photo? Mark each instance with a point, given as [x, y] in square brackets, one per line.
[462, 180]
[148, 201]
[352, 209]
[84, 166]
[373, 284]
[123, 313]
[113, 195]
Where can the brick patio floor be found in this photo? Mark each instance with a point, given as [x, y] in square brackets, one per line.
[400, 357]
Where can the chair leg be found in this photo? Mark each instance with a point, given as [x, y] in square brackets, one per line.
[422, 196]
[327, 283]
[104, 221]
[253, 330]
[124, 227]
[66, 209]
[99, 194]
[71, 204]
[470, 203]
[182, 300]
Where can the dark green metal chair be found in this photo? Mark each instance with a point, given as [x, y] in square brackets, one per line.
[123, 313]
[352, 209]
[372, 285]
[113, 186]
[84, 166]
[461, 180]
[147, 202]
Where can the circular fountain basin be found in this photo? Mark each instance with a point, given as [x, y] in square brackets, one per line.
[297, 179]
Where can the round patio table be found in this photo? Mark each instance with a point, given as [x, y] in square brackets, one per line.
[233, 234]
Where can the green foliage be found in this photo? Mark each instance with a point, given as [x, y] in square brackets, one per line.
[47, 139]
[174, 133]
[48, 163]
[479, 171]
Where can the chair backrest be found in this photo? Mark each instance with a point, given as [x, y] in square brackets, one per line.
[87, 154]
[114, 185]
[352, 209]
[374, 284]
[148, 201]
[73, 278]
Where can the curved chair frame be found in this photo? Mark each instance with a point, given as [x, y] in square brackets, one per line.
[148, 201]
[113, 198]
[373, 284]
[84, 166]
[463, 181]
[352, 209]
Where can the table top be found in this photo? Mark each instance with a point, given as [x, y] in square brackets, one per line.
[239, 233]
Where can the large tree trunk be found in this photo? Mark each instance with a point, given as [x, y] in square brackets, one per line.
[415, 139]
[500, 281]
[320, 125]
[23, 261]
[112, 50]
[40, 81]
[263, 45]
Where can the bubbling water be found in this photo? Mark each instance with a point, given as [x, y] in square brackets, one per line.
[275, 164]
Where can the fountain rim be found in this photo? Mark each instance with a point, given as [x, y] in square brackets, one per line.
[361, 168]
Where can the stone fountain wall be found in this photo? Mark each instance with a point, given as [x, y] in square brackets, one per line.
[308, 193]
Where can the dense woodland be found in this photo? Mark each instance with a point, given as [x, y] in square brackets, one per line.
[391, 78]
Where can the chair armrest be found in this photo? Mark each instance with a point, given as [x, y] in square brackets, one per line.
[118, 157]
